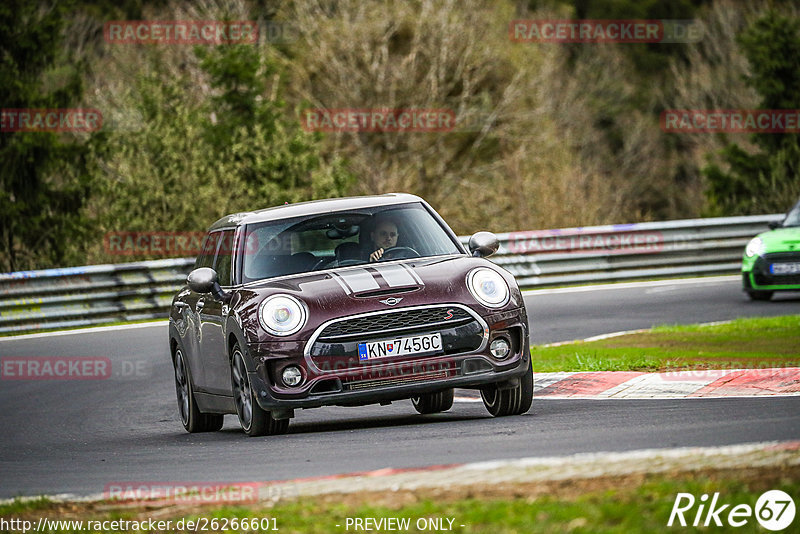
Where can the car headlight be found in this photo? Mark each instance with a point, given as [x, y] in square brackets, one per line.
[282, 315]
[488, 287]
[755, 247]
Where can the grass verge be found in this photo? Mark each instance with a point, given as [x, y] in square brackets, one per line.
[753, 343]
[631, 503]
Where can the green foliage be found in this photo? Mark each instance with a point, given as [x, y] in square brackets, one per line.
[772, 45]
[549, 135]
[769, 180]
[151, 177]
[271, 158]
[43, 180]
[193, 156]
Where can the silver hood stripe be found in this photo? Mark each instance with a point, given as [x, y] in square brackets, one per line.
[341, 283]
[359, 280]
[396, 275]
[413, 273]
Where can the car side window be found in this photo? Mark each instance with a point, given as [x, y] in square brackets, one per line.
[207, 250]
[224, 258]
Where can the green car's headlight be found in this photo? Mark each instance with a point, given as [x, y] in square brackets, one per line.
[755, 247]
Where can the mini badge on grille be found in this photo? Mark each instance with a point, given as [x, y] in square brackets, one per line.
[391, 301]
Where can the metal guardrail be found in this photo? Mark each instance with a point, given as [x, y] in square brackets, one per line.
[98, 294]
[95, 294]
[620, 252]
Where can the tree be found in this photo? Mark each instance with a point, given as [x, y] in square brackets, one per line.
[43, 179]
[768, 180]
[207, 134]
[270, 158]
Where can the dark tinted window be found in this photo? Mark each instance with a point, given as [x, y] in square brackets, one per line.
[224, 257]
[207, 250]
[329, 240]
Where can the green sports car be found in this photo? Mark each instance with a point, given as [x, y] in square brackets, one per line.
[771, 260]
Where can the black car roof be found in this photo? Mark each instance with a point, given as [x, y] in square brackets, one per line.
[312, 207]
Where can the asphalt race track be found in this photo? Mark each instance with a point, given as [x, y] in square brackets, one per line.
[78, 436]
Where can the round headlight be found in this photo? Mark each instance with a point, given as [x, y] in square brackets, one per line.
[755, 247]
[488, 287]
[282, 315]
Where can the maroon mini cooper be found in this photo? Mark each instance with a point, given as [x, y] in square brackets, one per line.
[344, 302]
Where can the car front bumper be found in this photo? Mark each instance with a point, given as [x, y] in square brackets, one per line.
[756, 273]
[470, 373]
[360, 383]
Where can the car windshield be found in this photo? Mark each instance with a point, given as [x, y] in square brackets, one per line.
[793, 217]
[291, 246]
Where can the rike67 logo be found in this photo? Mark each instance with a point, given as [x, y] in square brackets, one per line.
[774, 510]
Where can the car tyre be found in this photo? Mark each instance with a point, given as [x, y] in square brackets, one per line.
[192, 418]
[255, 421]
[514, 401]
[441, 401]
[759, 295]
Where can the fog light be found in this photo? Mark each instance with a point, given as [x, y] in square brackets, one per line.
[292, 376]
[499, 348]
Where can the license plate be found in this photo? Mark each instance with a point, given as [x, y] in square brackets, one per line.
[402, 346]
[785, 268]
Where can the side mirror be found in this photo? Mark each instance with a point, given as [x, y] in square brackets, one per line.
[483, 244]
[773, 224]
[204, 280]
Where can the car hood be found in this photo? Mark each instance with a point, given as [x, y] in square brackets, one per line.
[781, 239]
[372, 287]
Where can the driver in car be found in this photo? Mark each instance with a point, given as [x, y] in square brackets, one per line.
[384, 236]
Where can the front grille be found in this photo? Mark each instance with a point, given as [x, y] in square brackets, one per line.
[399, 376]
[385, 382]
[776, 279]
[772, 257]
[390, 321]
[335, 346]
[763, 277]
